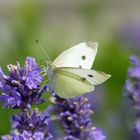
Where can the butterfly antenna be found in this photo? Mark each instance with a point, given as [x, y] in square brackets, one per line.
[43, 50]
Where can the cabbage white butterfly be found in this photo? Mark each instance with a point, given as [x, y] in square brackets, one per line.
[70, 73]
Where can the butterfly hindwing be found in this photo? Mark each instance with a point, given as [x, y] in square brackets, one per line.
[68, 85]
[79, 56]
[92, 77]
[71, 82]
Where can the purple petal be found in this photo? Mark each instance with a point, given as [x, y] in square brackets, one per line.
[38, 136]
[135, 60]
[96, 134]
[4, 98]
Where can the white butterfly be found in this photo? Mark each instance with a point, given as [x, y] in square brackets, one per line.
[70, 73]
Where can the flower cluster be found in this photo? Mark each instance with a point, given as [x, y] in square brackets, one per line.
[31, 124]
[75, 119]
[24, 136]
[132, 88]
[132, 84]
[20, 89]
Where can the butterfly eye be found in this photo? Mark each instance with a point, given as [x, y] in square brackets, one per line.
[83, 57]
[89, 75]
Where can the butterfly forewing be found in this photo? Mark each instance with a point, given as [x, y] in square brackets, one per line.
[79, 56]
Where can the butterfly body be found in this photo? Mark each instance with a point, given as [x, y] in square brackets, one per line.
[70, 74]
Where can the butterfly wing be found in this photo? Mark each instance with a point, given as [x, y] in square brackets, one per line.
[79, 56]
[93, 77]
[71, 82]
[68, 87]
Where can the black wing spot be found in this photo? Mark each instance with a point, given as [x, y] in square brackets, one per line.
[83, 57]
[89, 75]
[83, 79]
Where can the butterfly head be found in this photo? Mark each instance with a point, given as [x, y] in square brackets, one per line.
[50, 66]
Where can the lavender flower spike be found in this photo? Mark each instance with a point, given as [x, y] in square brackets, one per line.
[20, 88]
[132, 90]
[132, 84]
[31, 124]
[75, 119]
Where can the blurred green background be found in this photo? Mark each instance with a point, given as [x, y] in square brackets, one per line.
[61, 24]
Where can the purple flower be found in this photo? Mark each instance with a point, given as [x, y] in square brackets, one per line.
[31, 120]
[21, 88]
[132, 92]
[135, 60]
[38, 136]
[26, 135]
[33, 78]
[30, 124]
[132, 84]
[75, 119]
[137, 127]
[96, 134]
